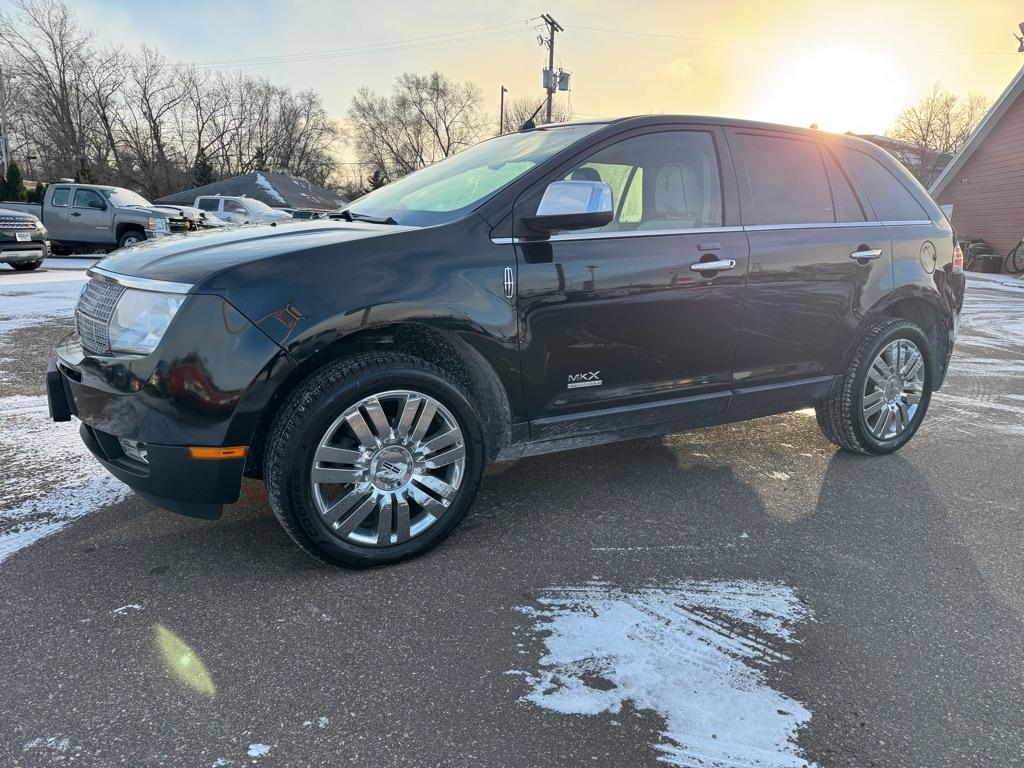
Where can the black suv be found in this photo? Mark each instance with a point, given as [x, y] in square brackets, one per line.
[549, 289]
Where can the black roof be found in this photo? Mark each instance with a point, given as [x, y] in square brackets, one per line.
[278, 190]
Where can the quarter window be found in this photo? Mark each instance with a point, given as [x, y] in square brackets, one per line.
[666, 180]
[209, 204]
[891, 200]
[60, 197]
[785, 179]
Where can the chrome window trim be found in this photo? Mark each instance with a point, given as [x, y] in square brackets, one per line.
[139, 283]
[616, 235]
[907, 222]
[822, 225]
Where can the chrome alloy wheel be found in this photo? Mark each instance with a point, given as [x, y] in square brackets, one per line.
[893, 389]
[388, 468]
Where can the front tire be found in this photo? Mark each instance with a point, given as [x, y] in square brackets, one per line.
[131, 237]
[878, 404]
[373, 459]
[27, 266]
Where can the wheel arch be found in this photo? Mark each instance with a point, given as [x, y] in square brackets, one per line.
[126, 226]
[445, 348]
[924, 309]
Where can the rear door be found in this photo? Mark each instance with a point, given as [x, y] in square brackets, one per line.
[89, 217]
[55, 214]
[818, 261]
[909, 225]
[618, 328]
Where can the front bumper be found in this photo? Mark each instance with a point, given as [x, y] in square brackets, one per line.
[205, 386]
[13, 252]
[170, 478]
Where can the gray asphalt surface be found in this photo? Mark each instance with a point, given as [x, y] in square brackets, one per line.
[909, 564]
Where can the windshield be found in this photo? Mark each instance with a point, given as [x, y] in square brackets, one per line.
[448, 190]
[125, 198]
[259, 206]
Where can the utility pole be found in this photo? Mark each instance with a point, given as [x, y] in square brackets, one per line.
[552, 84]
[501, 111]
[5, 150]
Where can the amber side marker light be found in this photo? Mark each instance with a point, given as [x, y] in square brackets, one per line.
[234, 452]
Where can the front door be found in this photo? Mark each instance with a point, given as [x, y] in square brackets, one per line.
[89, 217]
[624, 325]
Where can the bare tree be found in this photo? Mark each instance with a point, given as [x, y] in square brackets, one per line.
[43, 44]
[936, 127]
[520, 109]
[425, 119]
[141, 121]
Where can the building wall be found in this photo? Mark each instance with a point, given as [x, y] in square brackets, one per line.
[988, 192]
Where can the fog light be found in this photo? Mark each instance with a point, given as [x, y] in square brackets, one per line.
[134, 449]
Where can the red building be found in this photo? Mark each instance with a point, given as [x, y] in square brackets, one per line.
[984, 182]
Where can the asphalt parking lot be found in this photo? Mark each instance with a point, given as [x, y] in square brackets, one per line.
[737, 596]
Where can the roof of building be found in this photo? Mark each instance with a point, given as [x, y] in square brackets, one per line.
[988, 122]
[278, 190]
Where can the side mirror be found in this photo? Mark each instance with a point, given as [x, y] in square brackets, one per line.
[573, 205]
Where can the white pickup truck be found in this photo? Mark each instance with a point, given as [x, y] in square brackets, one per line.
[240, 210]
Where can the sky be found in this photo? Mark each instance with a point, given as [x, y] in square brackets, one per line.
[845, 66]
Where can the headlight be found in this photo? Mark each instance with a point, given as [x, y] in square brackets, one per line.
[158, 225]
[140, 320]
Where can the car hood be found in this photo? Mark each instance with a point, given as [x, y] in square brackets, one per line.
[151, 210]
[194, 257]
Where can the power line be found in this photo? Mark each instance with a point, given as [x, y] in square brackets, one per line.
[478, 33]
[790, 45]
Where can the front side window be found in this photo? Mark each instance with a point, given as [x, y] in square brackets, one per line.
[449, 189]
[60, 197]
[233, 206]
[891, 200]
[666, 180]
[210, 204]
[87, 198]
[785, 179]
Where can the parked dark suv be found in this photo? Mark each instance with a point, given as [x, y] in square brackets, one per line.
[548, 289]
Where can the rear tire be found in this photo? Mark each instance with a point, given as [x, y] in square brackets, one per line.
[27, 266]
[878, 404]
[393, 504]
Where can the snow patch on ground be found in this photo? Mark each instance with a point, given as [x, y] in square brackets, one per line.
[988, 347]
[125, 608]
[266, 186]
[23, 305]
[50, 478]
[258, 750]
[695, 652]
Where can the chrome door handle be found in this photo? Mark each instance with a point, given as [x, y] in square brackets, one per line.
[713, 266]
[867, 254]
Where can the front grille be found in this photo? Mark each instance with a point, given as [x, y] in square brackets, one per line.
[17, 222]
[95, 307]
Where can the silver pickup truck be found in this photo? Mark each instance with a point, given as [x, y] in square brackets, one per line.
[103, 217]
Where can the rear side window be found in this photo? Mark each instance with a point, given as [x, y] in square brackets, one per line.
[208, 204]
[891, 200]
[60, 197]
[785, 179]
[846, 204]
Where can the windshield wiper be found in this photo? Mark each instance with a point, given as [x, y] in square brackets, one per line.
[347, 215]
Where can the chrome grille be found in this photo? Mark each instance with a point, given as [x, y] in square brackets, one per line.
[95, 307]
[17, 222]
